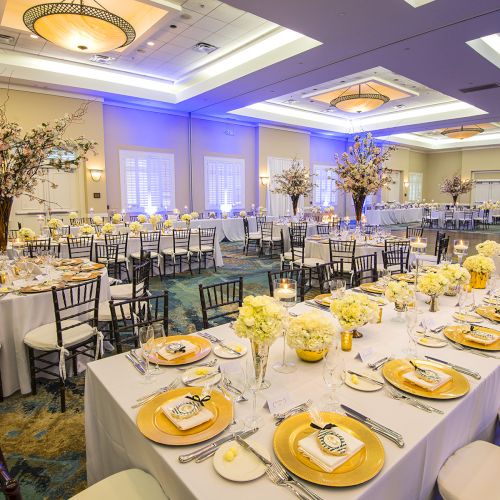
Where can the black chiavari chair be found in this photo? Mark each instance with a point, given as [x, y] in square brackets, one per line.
[250, 238]
[414, 232]
[36, 248]
[482, 220]
[13, 234]
[291, 274]
[205, 247]
[140, 282]
[73, 333]
[439, 236]
[327, 272]
[108, 255]
[341, 250]
[394, 261]
[121, 241]
[179, 252]
[259, 219]
[150, 244]
[324, 229]
[220, 300]
[365, 269]
[369, 229]
[449, 219]
[467, 222]
[80, 248]
[269, 240]
[298, 251]
[404, 245]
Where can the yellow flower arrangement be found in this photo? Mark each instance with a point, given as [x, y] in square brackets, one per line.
[107, 228]
[195, 215]
[456, 274]
[243, 214]
[117, 218]
[433, 284]
[155, 219]
[141, 218]
[25, 234]
[73, 215]
[400, 292]
[135, 226]
[55, 223]
[186, 217]
[97, 220]
[479, 264]
[312, 331]
[87, 229]
[354, 310]
[167, 224]
[488, 248]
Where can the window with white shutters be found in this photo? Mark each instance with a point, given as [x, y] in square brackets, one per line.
[224, 183]
[325, 191]
[415, 186]
[147, 180]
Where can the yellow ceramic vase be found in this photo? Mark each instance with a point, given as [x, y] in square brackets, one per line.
[311, 356]
[478, 280]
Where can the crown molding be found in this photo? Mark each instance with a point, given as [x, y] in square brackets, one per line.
[60, 93]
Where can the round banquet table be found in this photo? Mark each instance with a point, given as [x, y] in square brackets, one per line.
[388, 216]
[18, 315]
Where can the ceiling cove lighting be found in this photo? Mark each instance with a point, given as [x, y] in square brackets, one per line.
[359, 102]
[463, 132]
[79, 27]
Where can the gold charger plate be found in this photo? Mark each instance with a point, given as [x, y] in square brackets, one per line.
[153, 423]
[321, 299]
[372, 288]
[203, 349]
[360, 468]
[77, 278]
[488, 312]
[456, 333]
[409, 278]
[40, 288]
[94, 267]
[457, 387]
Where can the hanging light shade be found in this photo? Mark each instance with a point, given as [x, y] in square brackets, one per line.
[463, 132]
[79, 27]
[359, 102]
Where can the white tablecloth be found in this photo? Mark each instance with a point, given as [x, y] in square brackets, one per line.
[321, 249]
[18, 315]
[389, 216]
[114, 442]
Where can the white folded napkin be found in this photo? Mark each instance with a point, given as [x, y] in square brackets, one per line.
[187, 423]
[430, 386]
[478, 340]
[164, 353]
[310, 447]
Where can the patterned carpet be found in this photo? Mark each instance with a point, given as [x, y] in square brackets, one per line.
[44, 449]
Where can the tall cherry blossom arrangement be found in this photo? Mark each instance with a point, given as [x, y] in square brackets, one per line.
[294, 182]
[455, 186]
[360, 171]
[24, 155]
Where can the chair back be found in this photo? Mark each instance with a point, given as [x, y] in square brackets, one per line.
[80, 248]
[80, 221]
[8, 485]
[414, 232]
[246, 228]
[394, 260]
[323, 229]
[127, 316]
[132, 218]
[389, 246]
[107, 253]
[12, 235]
[216, 300]
[449, 215]
[77, 304]
[266, 229]
[36, 248]
[291, 274]
[369, 229]
[342, 250]
[259, 220]
[365, 269]
[140, 276]
[64, 230]
[297, 243]
[327, 272]
[120, 240]
[181, 239]
[150, 241]
[439, 236]
[206, 237]
[442, 249]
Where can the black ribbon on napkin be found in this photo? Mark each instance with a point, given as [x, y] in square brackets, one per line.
[472, 328]
[327, 426]
[199, 400]
[181, 348]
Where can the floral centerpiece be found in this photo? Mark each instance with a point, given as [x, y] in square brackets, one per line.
[87, 229]
[73, 216]
[176, 211]
[187, 219]
[261, 319]
[488, 205]
[294, 182]
[117, 218]
[361, 172]
[311, 334]
[211, 215]
[354, 310]
[195, 215]
[455, 186]
[25, 155]
[97, 220]
[155, 219]
[456, 275]
[135, 227]
[54, 226]
[167, 224]
[480, 268]
[488, 248]
[243, 214]
[107, 228]
[401, 294]
[142, 218]
[434, 285]
[26, 234]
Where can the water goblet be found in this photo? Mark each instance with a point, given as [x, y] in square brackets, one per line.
[146, 341]
[333, 378]
[254, 376]
[159, 340]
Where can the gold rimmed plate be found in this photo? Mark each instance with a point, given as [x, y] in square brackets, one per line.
[85, 276]
[409, 278]
[372, 288]
[92, 266]
[43, 287]
[155, 425]
[203, 349]
[489, 312]
[457, 334]
[324, 299]
[467, 318]
[456, 387]
[361, 467]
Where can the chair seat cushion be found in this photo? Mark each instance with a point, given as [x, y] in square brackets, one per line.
[455, 480]
[288, 256]
[137, 255]
[254, 236]
[121, 291]
[178, 251]
[120, 258]
[44, 338]
[428, 258]
[105, 312]
[309, 262]
[131, 484]
[204, 248]
[269, 238]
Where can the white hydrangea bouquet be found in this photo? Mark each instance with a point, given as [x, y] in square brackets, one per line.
[261, 319]
[108, 228]
[312, 331]
[155, 219]
[187, 219]
[480, 268]
[87, 229]
[26, 234]
[167, 224]
[354, 310]
[117, 218]
[434, 285]
[55, 224]
[488, 248]
[195, 215]
[456, 275]
[243, 214]
[97, 220]
[211, 215]
[135, 226]
[73, 215]
[401, 293]
[141, 218]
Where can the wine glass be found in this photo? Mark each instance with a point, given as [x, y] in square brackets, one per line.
[285, 291]
[159, 340]
[254, 375]
[411, 316]
[384, 276]
[337, 288]
[333, 377]
[146, 340]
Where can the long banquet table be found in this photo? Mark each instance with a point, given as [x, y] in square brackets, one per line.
[388, 216]
[114, 443]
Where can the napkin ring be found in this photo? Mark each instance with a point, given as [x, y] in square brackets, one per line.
[331, 442]
[175, 347]
[185, 410]
[428, 375]
[482, 335]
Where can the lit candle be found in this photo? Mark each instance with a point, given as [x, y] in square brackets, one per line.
[418, 244]
[346, 341]
[461, 246]
[284, 293]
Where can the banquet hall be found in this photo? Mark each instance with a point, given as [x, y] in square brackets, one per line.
[250, 248]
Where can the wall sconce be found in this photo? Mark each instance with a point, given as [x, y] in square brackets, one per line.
[406, 185]
[96, 174]
[264, 179]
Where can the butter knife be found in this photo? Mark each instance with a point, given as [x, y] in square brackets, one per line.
[136, 365]
[458, 368]
[209, 453]
[249, 448]
[364, 377]
[202, 377]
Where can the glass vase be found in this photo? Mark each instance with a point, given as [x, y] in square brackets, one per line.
[260, 356]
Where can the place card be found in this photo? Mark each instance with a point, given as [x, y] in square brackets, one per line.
[365, 354]
[279, 401]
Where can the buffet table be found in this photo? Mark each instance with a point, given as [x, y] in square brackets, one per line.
[388, 216]
[114, 442]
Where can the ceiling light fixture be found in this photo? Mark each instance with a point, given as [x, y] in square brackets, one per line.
[463, 132]
[359, 102]
[79, 27]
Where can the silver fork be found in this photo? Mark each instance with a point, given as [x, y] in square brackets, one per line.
[285, 477]
[279, 417]
[395, 394]
[276, 479]
[208, 363]
[217, 340]
[149, 397]
[460, 347]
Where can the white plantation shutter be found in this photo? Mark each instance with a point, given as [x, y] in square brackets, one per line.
[280, 204]
[325, 191]
[415, 186]
[147, 180]
[224, 182]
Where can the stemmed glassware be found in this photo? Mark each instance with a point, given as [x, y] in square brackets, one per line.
[146, 340]
[333, 377]
[159, 341]
[254, 376]
[285, 291]
[460, 248]
[337, 288]
[412, 318]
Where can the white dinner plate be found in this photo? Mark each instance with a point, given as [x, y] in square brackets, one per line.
[245, 466]
[224, 353]
[191, 373]
[431, 342]
[363, 385]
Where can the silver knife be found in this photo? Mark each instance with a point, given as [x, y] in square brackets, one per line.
[399, 441]
[203, 377]
[230, 349]
[136, 357]
[214, 445]
[364, 377]
[209, 453]
[457, 367]
[249, 448]
[136, 365]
